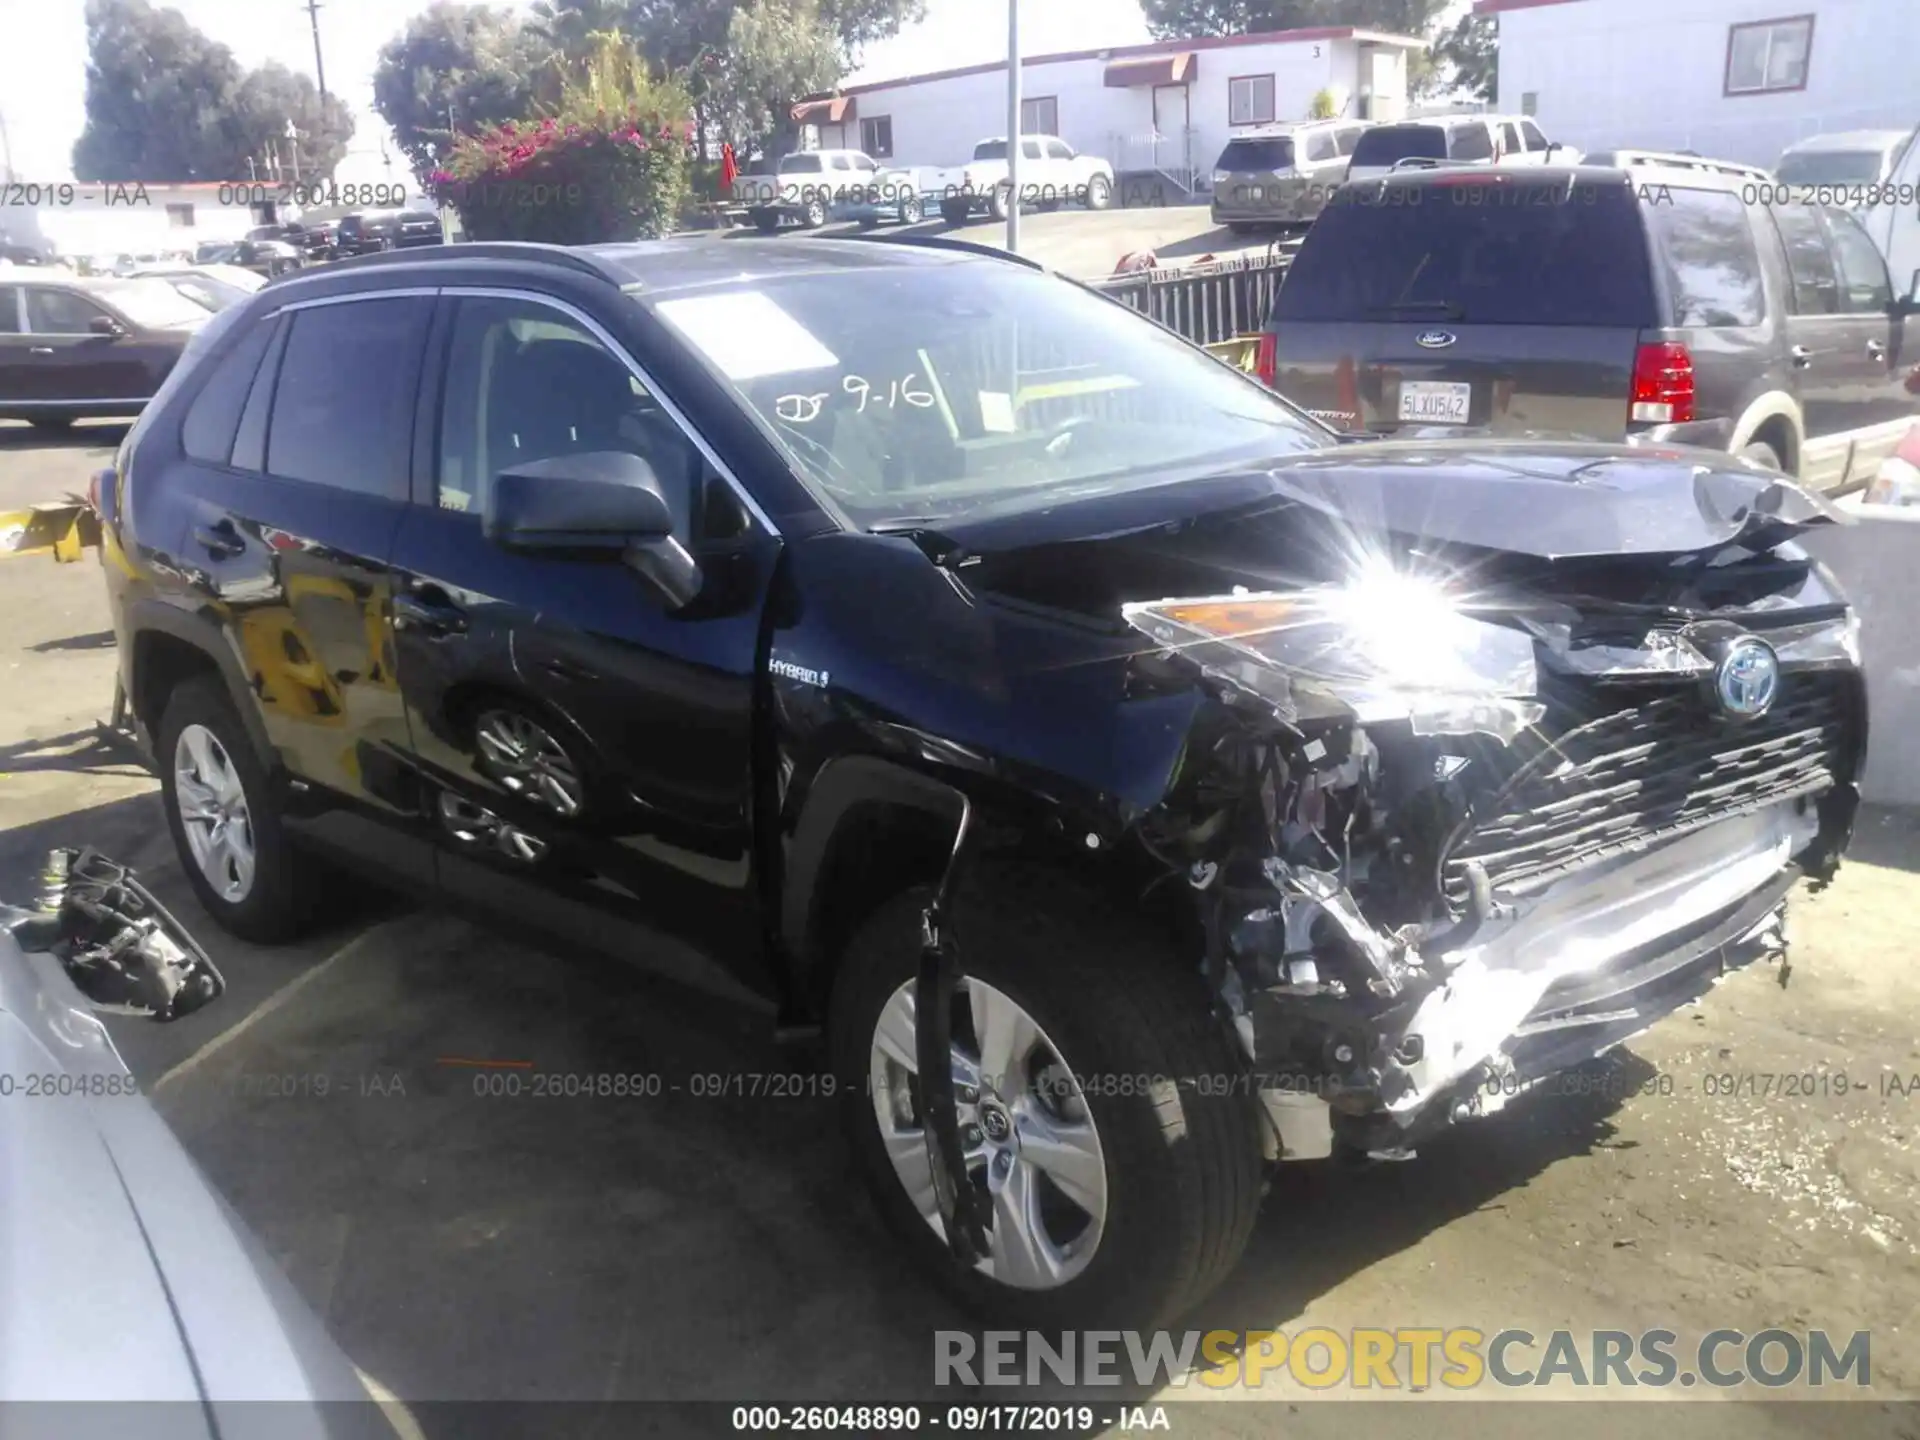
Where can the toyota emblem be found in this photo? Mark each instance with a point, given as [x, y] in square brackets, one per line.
[1747, 679]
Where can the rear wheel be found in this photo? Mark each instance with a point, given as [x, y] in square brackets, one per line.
[911, 212]
[219, 806]
[1099, 193]
[999, 202]
[954, 212]
[815, 214]
[1118, 1185]
[765, 221]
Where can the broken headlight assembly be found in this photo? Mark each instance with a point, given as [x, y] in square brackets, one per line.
[1386, 646]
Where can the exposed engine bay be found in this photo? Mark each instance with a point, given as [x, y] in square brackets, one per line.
[1445, 843]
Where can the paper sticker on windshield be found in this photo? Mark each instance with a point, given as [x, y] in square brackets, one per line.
[996, 412]
[747, 335]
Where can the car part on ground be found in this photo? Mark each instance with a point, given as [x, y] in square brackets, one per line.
[102, 1213]
[898, 622]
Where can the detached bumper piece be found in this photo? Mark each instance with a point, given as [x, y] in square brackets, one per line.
[65, 528]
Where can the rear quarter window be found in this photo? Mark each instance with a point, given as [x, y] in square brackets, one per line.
[1475, 249]
[207, 432]
[1707, 257]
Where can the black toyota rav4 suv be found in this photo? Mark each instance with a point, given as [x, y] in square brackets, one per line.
[1139, 784]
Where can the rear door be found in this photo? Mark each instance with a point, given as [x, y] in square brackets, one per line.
[14, 345]
[280, 516]
[1471, 299]
[1880, 408]
[589, 753]
[1832, 367]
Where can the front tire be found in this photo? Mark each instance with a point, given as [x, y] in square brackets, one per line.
[1099, 193]
[1135, 1166]
[226, 830]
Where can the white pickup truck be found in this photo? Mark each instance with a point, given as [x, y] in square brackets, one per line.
[811, 187]
[1051, 175]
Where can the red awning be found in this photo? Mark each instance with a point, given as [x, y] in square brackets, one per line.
[1178, 68]
[824, 112]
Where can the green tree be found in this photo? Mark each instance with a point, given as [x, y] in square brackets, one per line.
[567, 26]
[271, 96]
[1173, 19]
[1469, 56]
[167, 103]
[775, 52]
[455, 69]
[159, 98]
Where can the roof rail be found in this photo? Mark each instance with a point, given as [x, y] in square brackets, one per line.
[1668, 160]
[475, 250]
[937, 242]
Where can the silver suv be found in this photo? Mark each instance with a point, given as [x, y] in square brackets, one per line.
[1281, 175]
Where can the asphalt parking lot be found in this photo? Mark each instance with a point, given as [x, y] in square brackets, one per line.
[463, 1244]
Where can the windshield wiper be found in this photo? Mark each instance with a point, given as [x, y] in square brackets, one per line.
[1447, 309]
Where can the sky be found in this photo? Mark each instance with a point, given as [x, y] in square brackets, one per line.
[43, 60]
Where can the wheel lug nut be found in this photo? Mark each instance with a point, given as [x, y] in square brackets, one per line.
[967, 1094]
[1002, 1163]
[971, 1135]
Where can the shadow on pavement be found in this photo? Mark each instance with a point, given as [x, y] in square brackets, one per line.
[77, 752]
[1886, 837]
[96, 640]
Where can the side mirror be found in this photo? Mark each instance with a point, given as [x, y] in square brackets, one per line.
[604, 502]
[105, 325]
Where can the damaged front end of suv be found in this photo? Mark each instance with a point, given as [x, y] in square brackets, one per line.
[1481, 811]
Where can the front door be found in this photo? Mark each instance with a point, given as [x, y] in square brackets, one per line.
[588, 749]
[1828, 347]
[69, 362]
[1880, 407]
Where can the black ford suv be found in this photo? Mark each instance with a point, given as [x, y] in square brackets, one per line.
[1139, 784]
[1644, 304]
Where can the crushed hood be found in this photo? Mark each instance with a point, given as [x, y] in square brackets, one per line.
[1525, 497]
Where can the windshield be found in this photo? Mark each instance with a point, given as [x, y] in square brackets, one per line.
[990, 150]
[152, 304]
[1479, 250]
[1386, 144]
[1830, 167]
[1244, 155]
[929, 391]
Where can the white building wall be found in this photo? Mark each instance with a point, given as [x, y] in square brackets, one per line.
[936, 122]
[1649, 73]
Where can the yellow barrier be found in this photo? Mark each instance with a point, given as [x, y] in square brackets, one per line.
[1239, 352]
[64, 527]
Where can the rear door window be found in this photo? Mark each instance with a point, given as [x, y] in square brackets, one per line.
[1455, 252]
[1865, 287]
[1320, 146]
[344, 401]
[1510, 138]
[10, 322]
[1386, 144]
[1530, 134]
[1243, 156]
[1470, 142]
[1347, 136]
[1707, 254]
[1816, 283]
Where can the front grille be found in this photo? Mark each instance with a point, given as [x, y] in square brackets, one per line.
[1661, 764]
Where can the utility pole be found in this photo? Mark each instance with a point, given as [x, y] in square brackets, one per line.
[319, 66]
[293, 148]
[1013, 126]
[6, 152]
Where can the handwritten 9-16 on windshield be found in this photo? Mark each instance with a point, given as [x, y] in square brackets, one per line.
[802, 408]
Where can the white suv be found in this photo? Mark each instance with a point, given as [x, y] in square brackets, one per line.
[1456, 140]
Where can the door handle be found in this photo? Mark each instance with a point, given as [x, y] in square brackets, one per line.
[40, 349]
[1876, 350]
[430, 617]
[221, 541]
[1802, 357]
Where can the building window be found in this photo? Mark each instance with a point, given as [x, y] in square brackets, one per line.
[1769, 55]
[876, 136]
[1040, 116]
[1530, 102]
[1250, 100]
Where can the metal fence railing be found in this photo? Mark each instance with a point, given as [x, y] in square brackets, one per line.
[1209, 303]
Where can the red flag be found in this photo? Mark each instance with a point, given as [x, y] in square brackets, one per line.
[729, 169]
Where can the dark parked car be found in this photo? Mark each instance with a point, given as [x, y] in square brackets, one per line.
[313, 241]
[71, 348]
[368, 231]
[1138, 783]
[1647, 304]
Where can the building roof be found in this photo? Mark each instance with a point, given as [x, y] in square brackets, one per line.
[1151, 48]
[1494, 7]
